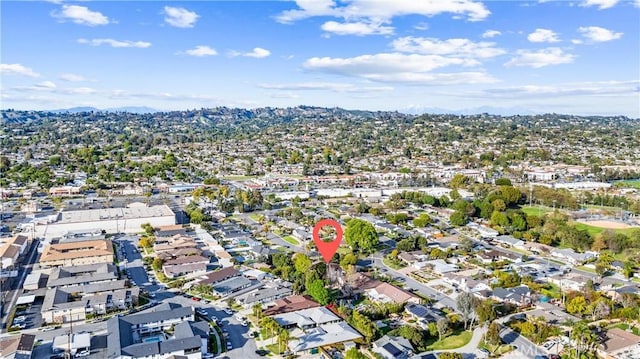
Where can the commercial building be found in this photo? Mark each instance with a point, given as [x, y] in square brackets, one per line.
[77, 253]
[110, 220]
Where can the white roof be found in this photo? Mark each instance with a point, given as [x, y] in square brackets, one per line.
[26, 299]
[77, 341]
[305, 317]
[326, 334]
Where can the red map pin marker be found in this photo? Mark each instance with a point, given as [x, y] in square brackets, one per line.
[327, 249]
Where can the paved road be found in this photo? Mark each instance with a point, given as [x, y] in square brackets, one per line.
[273, 238]
[15, 286]
[243, 345]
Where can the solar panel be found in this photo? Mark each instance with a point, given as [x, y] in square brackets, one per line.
[391, 349]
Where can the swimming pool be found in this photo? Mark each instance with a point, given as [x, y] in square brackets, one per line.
[156, 339]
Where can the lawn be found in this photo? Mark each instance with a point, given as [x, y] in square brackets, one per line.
[586, 269]
[536, 210]
[628, 184]
[291, 240]
[256, 217]
[389, 263]
[453, 341]
[593, 230]
[552, 292]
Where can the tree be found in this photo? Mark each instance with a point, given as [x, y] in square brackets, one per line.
[157, 264]
[458, 219]
[270, 325]
[459, 181]
[348, 260]
[257, 310]
[422, 221]
[354, 353]
[450, 355]
[466, 244]
[628, 269]
[317, 290]
[493, 334]
[283, 340]
[577, 305]
[301, 263]
[485, 311]
[361, 235]
[443, 326]
[148, 229]
[465, 302]
[145, 242]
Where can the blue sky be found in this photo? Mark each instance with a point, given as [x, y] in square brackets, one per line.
[576, 57]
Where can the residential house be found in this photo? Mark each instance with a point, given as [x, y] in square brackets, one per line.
[291, 304]
[619, 344]
[270, 292]
[520, 295]
[314, 328]
[387, 293]
[231, 285]
[217, 276]
[509, 241]
[424, 313]
[569, 281]
[17, 346]
[571, 256]
[390, 347]
[185, 265]
[224, 258]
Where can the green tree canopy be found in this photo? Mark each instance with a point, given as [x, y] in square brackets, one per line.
[361, 235]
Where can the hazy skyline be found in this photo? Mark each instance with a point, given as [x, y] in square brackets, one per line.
[578, 57]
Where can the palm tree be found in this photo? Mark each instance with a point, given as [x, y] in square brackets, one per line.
[283, 339]
[257, 310]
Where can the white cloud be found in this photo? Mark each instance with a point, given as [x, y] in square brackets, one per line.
[17, 69]
[601, 88]
[491, 33]
[81, 15]
[543, 35]
[382, 10]
[601, 4]
[401, 68]
[454, 47]
[72, 77]
[541, 58]
[50, 87]
[257, 53]
[599, 34]
[357, 28]
[325, 86]
[180, 17]
[115, 43]
[46, 85]
[201, 51]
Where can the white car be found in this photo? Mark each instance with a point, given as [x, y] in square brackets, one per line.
[84, 353]
[228, 311]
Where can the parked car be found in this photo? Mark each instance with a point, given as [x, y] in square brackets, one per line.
[84, 353]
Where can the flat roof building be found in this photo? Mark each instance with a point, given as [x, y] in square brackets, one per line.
[110, 220]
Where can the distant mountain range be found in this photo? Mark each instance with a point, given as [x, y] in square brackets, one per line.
[131, 109]
[500, 111]
[414, 110]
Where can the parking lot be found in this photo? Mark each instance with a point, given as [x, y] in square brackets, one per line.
[28, 316]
